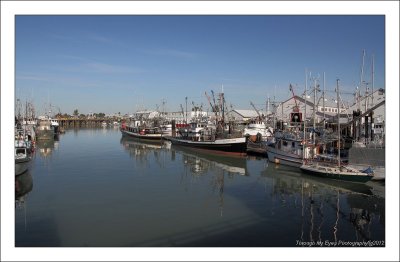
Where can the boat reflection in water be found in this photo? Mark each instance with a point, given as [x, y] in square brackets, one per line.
[330, 209]
[200, 162]
[139, 147]
[23, 185]
[46, 147]
[217, 167]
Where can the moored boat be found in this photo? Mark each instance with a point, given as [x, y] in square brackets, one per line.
[22, 160]
[228, 145]
[258, 127]
[287, 149]
[336, 172]
[55, 125]
[146, 133]
[201, 136]
[44, 131]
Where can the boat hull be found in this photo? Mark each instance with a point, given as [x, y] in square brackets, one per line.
[344, 176]
[259, 148]
[234, 145]
[152, 137]
[22, 165]
[285, 158]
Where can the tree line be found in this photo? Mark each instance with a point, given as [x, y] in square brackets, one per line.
[76, 114]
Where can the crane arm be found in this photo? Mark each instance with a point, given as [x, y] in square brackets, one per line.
[258, 113]
[209, 101]
[295, 101]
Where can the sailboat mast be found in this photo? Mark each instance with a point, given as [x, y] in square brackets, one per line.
[305, 116]
[361, 80]
[323, 100]
[314, 109]
[223, 106]
[338, 119]
[372, 80]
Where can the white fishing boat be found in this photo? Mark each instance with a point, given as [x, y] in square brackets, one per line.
[258, 127]
[22, 159]
[166, 129]
[55, 125]
[287, 149]
[45, 130]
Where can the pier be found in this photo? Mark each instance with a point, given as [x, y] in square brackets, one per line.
[84, 122]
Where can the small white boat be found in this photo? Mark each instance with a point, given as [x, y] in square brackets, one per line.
[336, 172]
[22, 160]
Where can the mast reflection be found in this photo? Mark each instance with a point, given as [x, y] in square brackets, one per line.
[23, 185]
[202, 162]
[46, 147]
[328, 206]
[142, 150]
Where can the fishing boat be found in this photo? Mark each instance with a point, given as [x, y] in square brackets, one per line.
[167, 129]
[287, 149]
[215, 135]
[55, 125]
[289, 145]
[140, 132]
[336, 170]
[201, 136]
[232, 145]
[258, 127]
[22, 159]
[45, 130]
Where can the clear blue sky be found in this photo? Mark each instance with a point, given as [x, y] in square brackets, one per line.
[124, 63]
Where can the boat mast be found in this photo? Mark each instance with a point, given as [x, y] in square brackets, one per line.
[361, 81]
[372, 80]
[323, 100]
[314, 109]
[223, 106]
[338, 119]
[305, 116]
[186, 110]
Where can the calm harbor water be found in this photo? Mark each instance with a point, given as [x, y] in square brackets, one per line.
[93, 188]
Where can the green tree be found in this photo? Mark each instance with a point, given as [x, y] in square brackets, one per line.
[76, 113]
